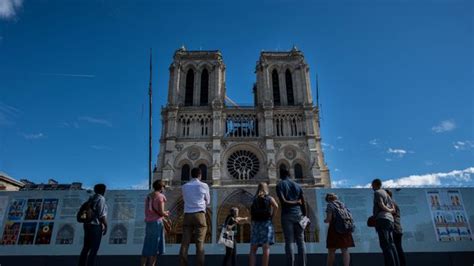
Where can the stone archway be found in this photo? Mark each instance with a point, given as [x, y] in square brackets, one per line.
[241, 199]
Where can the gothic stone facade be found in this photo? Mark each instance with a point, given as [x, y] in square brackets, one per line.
[235, 144]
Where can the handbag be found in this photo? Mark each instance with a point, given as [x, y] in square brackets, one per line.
[304, 222]
[371, 221]
[226, 237]
[167, 225]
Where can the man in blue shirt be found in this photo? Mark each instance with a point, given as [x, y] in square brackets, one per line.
[292, 211]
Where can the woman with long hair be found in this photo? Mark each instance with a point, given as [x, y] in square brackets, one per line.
[262, 235]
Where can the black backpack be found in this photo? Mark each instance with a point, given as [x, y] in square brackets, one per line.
[344, 222]
[261, 209]
[86, 212]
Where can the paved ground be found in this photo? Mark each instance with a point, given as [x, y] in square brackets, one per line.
[365, 259]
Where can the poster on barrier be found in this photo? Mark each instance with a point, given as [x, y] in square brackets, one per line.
[27, 233]
[448, 214]
[15, 211]
[11, 231]
[3, 207]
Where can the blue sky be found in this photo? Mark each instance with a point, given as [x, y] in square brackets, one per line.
[396, 82]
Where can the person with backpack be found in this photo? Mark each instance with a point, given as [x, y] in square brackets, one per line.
[262, 233]
[397, 230]
[93, 213]
[340, 230]
[384, 223]
[154, 242]
[231, 223]
[293, 210]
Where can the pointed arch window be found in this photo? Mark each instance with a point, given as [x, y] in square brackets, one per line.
[188, 95]
[276, 88]
[204, 88]
[289, 88]
[298, 171]
[282, 167]
[185, 171]
[203, 168]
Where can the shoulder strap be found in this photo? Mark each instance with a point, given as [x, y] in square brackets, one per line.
[150, 204]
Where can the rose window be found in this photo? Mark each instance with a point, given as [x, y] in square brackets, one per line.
[243, 165]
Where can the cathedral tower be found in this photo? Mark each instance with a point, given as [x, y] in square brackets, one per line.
[240, 145]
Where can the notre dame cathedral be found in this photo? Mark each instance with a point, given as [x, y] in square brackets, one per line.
[235, 144]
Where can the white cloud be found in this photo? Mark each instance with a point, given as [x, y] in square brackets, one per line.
[398, 152]
[9, 8]
[339, 183]
[429, 163]
[374, 142]
[444, 126]
[463, 145]
[339, 137]
[69, 124]
[327, 145]
[33, 136]
[141, 185]
[456, 178]
[7, 114]
[68, 75]
[100, 147]
[94, 120]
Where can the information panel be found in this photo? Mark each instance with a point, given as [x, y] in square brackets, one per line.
[44, 222]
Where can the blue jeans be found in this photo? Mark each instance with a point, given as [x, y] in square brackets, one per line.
[92, 238]
[384, 229]
[293, 232]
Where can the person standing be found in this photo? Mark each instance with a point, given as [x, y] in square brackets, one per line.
[232, 222]
[154, 242]
[336, 240]
[397, 230]
[96, 228]
[293, 209]
[196, 198]
[384, 223]
[262, 233]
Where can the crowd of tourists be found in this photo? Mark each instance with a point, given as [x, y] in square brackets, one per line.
[294, 220]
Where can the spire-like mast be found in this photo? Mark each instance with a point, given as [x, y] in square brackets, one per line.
[150, 93]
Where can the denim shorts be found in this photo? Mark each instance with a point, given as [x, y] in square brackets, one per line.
[154, 243]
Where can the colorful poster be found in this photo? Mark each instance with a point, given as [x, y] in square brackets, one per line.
[3, 207]
[49, 209]
[15, 211]
[10, 233]
[27, 234]
[45, 231]
[65, 235]
[449, 217]
[33, 209]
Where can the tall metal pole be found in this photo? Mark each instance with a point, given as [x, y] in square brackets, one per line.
[150, 90]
